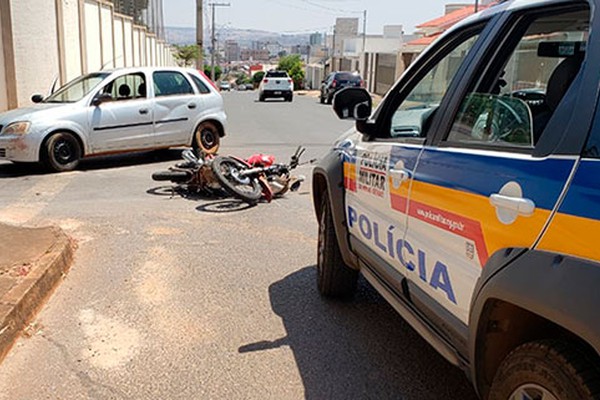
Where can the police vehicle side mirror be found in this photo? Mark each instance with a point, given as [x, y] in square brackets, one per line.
[353, 103]
[37, 98]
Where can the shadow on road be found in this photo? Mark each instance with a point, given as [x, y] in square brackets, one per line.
[11, 170]
[225, 206]
[358, 349]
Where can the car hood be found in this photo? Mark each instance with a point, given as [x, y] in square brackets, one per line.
[27, 113]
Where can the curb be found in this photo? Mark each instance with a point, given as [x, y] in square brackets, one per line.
[24, 300]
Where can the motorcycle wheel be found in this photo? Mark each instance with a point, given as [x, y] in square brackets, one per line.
[173, 176]
[226, 170]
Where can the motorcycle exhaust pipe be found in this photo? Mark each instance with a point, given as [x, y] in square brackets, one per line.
[296, 182]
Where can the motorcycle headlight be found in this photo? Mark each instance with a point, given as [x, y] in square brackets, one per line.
[17, 128]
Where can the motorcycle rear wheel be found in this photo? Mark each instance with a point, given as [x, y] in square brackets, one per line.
[173, 176]
[226, 170]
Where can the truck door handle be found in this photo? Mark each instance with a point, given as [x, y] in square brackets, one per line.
[520, 206]
[191, 106]
[144, 111]
[399, 176]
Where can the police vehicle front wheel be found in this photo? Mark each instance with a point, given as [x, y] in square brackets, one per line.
[546, 370]
[334, 277]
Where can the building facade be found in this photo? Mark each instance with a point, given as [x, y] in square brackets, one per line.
[57, 40]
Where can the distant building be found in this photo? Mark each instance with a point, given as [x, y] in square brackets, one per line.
[232, 51]
[316, 39]
[254, 55]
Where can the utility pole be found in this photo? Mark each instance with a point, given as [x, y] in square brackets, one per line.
[476, 5]
[333, 55]
[213, 38]
[200, 34]
[364, 30]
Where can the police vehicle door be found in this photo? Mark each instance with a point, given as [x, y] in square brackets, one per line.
[485, 185]
[378, 178]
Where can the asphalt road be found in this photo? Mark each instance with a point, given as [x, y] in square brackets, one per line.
[173, 298]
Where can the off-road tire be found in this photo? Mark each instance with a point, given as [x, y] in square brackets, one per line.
[172, 176]
[61, 152]
[559, 367]
[207, 138]
[334, 277]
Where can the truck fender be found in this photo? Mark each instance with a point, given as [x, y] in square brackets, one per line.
[328, 178]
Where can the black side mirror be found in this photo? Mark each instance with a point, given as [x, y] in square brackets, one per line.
[101, 98]
[37, 98]
[353, 103]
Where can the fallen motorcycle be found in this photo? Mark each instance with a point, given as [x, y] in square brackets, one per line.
[209, 174]
[248, 180]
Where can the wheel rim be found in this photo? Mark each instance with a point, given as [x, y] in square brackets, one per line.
[64, 152]
[231, 170]
[531, 391]
[208, 139]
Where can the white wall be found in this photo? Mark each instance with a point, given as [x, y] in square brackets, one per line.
[92, 36]
[36, 47]
[72, 44]
[136, 47]
[128, 33]
[119, 45]
[108, 57]
[3, 94]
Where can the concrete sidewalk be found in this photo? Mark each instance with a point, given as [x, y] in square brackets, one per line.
[32, 263]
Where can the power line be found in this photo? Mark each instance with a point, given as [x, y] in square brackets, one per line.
[337, 10]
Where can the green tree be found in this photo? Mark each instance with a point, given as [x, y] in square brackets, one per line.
[218, 72]
[258, 77]
[186, 55]
[294, 66]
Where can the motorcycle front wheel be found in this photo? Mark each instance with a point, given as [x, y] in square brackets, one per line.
[227, 171]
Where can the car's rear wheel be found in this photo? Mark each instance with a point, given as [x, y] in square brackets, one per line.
[261, 98]
[322, 99]
[334, 277]
[329, 99]
[207, 138]
[546, 370]
[61, 152]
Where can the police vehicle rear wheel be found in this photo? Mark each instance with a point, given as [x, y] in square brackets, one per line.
[334, 277]
[546, 370]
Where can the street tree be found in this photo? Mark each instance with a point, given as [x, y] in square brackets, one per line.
[294, 66]
[186, 55]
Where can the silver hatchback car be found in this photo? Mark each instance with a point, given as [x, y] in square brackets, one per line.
[124, 110]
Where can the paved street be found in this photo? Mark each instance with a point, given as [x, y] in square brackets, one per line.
[173, 298]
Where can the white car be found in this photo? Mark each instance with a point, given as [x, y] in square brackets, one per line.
[276, 84]
[123, 110]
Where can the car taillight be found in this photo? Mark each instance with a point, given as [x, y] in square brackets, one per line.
[362, 83]
[266, 81]
[334, 84]
[289, 81]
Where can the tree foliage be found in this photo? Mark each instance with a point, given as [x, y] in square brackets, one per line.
[258, 77]
[186, 55]
[294, 66]
[218, 72]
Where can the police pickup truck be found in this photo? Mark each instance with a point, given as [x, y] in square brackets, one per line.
[470, 199]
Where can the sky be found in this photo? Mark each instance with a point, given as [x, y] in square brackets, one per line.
[304, 16]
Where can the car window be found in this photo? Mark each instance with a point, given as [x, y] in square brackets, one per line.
[77, 89]
[170, 83]
[202, 88]
[512, 104]
[412, 115]
[277, 74]
[347, 77]
[127, 87]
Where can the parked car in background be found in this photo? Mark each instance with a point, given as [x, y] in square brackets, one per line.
[224, 86]
[123, 110]
[336, 81]
[470, 199]
[276, 84]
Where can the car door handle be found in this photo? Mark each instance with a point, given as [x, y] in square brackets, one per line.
[521, 206]
[144, 111]
[191, 106]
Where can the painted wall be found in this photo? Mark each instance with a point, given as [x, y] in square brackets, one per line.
[35, 40]
[119, 43]
[3, 94]
[72, 45]
[92, 36]
[106, 33]
[128, 32]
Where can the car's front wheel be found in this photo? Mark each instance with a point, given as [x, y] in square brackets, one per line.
[334, 277]
[546, 370]
[61, 152]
